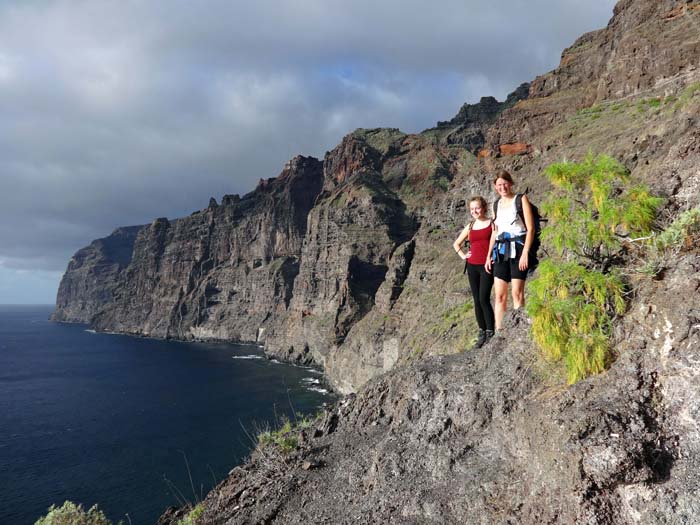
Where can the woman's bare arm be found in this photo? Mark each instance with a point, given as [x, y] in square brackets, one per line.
[492, 242]
[524, 261]
[457, 245]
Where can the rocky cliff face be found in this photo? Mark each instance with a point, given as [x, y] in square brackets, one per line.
[92, 275]
[470, 124]
[356, 225]
[223, 273]
[648, 49]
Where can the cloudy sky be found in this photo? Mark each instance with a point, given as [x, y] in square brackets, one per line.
[117, 112]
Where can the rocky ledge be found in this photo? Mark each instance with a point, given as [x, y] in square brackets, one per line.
[490, 436]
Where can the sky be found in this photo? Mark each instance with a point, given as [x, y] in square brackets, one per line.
[118, 112]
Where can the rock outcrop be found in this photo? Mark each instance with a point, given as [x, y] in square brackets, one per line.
[644, 51]
[470, 124]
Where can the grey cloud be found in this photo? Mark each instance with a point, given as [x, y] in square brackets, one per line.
[118, 112]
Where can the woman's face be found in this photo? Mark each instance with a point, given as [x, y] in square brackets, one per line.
[476, 210]
[503, 187]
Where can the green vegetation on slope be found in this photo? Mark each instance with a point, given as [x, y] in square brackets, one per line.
[282, 438]
[572, 309]
[594, 208]
[193, 517]
[682, 235]
[285, 439]
[640, 106]
[73, 514]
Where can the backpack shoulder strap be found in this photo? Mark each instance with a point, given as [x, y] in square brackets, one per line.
[519, 206]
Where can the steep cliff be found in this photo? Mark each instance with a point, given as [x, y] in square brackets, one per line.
[92, 275]
[225, 272]
[486, 436]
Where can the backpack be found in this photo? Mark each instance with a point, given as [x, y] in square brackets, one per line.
[537, 219]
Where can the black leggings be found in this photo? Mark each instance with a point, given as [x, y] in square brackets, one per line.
[481, 283]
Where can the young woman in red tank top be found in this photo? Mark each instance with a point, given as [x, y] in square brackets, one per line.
[478, 232]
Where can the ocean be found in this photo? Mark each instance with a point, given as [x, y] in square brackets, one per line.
[125, 422]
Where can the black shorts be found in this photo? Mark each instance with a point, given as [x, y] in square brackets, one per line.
[507, 269]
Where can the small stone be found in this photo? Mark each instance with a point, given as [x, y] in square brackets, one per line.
[308, 465]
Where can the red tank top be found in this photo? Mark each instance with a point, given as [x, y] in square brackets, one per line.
[479, 244]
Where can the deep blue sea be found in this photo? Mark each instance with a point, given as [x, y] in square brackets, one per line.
[115, 420]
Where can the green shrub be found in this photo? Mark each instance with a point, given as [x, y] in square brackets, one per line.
[683, 234]
[193, 516]
[593, 207]
[648, 103]
[592, 210]
[571, 309]
[283, 439]
[71, 514]
[287, 444]
[304, 422]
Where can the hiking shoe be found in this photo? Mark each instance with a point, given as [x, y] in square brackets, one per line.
[481, 339]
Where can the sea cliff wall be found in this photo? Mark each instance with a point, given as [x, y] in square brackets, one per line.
[224, 272]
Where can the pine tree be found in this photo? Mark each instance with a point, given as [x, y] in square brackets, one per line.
[592, 210]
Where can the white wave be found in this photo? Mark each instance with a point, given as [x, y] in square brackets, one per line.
[313, 370]
[317, 389]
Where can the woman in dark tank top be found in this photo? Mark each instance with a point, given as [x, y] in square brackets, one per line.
[478, 232]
